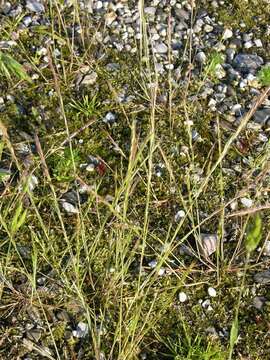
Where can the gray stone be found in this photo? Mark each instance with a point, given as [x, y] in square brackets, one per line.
[262, 116]
[201, 57]
[262, 277]
[89, 79]
[161, 48]
[5, 8]
[258, 302]
[27, 20]
[109, 118]
[230, 54]
[15, 12]
[246, 63]
[34, 335]
[81, 330]
[35, 6]
[150, 10]
[182, 14]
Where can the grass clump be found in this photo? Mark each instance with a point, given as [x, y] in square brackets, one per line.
[264, 75]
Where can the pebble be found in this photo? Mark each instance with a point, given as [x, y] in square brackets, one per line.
[152, 264]
[220, 72]
[179, 215]
[259, 301]
[32, 182]
[201, 57]
[206, 304]
[109, 118]
[247, 63]
[34, 334]
[89, 79]
[81, 330]
[262, 116]
[266, 248]
[161, 271]
[209, 243]
[246, 202]
[182, 297]
[150, 10]
[248, 44]
[258, 43]
[212, 292]
[262, 277]
[69, 208]
[161, 48]
[227, 34]
[35, 6]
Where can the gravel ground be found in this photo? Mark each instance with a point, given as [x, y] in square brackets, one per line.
[210, 61]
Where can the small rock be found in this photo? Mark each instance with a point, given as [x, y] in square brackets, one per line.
[34, 335]
[206, 304]
[110, 118]
[63, 316]
[161, 48]
[110, 17]
[89, 79]
[258, 302]
[182, 297]
[258, 43]
[209, 243]
[5, 7]
[161, 271]
[201, 57]
[27, 20]
[220, 72]
[32, 182]
[266, 248]
[99, 5]
[246, 202]
[212, 292]
[262, 277]
[227, 34]
[248, 44]
[179, 215]
[262, 116]
[35, 6]
[246, 63]
[81, 330]
[73, 197]
[150, 10]
[70, 208]
[208, 28]
[152, 264]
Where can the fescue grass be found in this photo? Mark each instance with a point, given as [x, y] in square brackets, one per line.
[95, 264]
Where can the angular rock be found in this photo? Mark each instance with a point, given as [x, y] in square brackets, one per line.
[161, 48]
[81, 330]
[262, 116]
[35, 6]
[262, 277]
[246, 63]
[258, 302]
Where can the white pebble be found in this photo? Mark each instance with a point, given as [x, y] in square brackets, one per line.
[246, 202]
[161, 272]
[212, 292]
[182, 297]
[70, 208]
[258, 42]
[227, 34]
[152, 264]
[179, 215]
